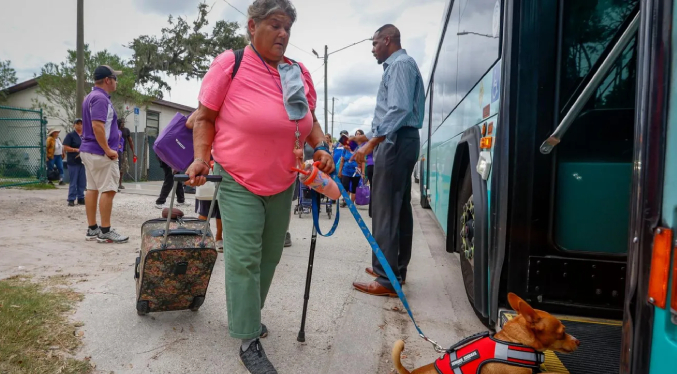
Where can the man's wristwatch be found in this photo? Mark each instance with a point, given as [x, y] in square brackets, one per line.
[322, 146]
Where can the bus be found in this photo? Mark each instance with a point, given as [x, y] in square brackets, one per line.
[549, 160]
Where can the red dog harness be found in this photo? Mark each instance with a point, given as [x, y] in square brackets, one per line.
[470, 354]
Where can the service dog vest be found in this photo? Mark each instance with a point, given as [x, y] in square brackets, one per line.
[469, 355]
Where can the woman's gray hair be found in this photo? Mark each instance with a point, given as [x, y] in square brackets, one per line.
[262, 9]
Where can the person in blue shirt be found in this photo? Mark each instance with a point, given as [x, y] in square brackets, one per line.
[350, 175]
[395, 141]
[338, 150]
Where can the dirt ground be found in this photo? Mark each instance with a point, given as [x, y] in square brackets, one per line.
[41, 235]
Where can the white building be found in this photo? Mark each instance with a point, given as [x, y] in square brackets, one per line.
[149, 122]
[157, 114]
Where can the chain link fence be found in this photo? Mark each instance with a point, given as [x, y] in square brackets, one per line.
[22, 147]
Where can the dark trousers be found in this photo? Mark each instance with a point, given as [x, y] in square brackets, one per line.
[370, 177]
[393, 221]
[167, 186]
[78, 182]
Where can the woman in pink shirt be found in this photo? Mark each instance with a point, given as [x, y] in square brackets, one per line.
[255, 125]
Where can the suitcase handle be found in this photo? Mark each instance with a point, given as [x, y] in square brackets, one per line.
[175, 232]
[182, 178]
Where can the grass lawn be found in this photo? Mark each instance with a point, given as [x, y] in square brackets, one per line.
[31, 183]
[35, 334]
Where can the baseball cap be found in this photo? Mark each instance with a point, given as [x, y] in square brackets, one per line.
[343, 132]
[77, 120]
[105, 71]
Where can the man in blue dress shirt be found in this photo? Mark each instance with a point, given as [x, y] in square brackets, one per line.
[395, 142]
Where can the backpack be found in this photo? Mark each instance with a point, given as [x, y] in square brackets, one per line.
[239, 54]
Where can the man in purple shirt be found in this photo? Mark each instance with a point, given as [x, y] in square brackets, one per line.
[100, 140]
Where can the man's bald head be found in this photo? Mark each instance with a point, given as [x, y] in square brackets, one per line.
[386, 41]
[389, 31]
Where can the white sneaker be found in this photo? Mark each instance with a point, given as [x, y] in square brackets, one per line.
[92, 234]
[159, 206]
[111, 237]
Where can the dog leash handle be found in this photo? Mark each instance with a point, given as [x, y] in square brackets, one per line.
[377, 251]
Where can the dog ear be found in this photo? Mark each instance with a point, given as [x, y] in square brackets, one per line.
[523, 308]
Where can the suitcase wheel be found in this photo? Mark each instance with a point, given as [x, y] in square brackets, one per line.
[142, 308]
[136, 267]
[197, 303]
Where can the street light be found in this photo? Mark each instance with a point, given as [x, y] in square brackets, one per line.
[326, 98]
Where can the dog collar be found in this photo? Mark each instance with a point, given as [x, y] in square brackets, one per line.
[470, 354]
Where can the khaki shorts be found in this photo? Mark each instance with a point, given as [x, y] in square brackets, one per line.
[103, 174]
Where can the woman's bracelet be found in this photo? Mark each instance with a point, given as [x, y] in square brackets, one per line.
[203, 161]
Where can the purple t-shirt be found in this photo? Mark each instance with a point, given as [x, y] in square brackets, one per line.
[98, 107]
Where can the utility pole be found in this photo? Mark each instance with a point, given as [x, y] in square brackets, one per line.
[80, 64]
[326, 99]
[332, 116]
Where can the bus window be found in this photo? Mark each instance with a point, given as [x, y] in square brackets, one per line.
[588, 27]
[478, 36]
[444, 81]
[594, 160]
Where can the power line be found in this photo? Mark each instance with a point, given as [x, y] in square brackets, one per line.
[232, 6]
[311, 73]
[321, 83]
[300, 49]
[339, 50]
[295, 46]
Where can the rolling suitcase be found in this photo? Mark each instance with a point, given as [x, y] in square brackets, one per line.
[176, 260]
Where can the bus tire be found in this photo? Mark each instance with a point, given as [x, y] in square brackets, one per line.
[465, 216]
[424, 199]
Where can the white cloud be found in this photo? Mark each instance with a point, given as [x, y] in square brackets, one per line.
[39, 31]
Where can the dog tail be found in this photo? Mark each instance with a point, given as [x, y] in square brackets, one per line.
[398, 347]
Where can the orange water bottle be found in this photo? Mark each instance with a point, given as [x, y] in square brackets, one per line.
[314, 178]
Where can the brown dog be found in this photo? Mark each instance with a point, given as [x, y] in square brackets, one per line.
[533, 328]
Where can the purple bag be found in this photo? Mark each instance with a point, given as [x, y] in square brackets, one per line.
[174, 145]
[363, 194]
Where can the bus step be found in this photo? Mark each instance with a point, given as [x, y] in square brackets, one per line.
[600, 349]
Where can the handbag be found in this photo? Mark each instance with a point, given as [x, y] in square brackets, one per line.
[174, 145]
[206, 191]
[363, 193]
[53, 174]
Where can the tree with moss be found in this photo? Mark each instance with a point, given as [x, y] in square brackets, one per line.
[7, 78]
[183, 50]
[57, 86]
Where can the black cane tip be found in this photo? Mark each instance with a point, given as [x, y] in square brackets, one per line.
[302, 337]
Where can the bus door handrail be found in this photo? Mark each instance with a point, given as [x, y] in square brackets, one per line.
[590, 88]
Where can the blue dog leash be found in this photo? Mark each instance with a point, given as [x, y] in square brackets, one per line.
[374, 247]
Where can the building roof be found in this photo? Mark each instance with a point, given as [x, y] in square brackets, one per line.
[22, 86]
[34, 82]
[173, 105]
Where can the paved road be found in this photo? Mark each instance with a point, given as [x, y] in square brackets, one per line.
[346, 332]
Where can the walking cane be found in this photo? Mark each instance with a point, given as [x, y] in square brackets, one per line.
[313, 239]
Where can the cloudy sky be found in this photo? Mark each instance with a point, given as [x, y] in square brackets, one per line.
[39, 31]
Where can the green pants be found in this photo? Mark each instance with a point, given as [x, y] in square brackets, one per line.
[254, 228]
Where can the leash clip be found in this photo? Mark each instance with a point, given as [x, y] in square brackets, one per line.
[438, 348]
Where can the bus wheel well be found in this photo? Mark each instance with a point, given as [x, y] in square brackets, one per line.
[461, 162]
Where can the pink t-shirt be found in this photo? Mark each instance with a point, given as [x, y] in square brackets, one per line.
[254, 140]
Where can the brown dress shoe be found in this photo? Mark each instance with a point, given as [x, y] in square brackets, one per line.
[370, 271]
[374, 288]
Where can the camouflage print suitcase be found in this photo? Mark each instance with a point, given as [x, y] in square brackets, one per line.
[175, 263]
